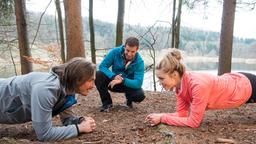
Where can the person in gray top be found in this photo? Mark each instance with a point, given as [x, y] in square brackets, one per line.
[39, 96]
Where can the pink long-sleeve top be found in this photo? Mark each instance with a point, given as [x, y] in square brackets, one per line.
[202, 91]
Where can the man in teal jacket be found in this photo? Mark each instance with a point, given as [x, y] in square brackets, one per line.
[126, 75]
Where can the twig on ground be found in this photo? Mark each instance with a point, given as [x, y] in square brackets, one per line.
[93, 142]
[222, 140]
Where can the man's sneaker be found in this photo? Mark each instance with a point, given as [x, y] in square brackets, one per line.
[129, 104]
[123, 106]
[106, 108]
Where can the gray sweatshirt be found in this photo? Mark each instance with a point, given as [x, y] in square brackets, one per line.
[32, 97]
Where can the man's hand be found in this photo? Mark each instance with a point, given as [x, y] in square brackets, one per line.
[88, 125]
[117, 80]
[118, 77]
[154, 118]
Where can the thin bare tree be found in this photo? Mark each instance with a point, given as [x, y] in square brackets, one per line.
[61, 31]
[10, 50]
[150, 44]
[177, 26]
[20, 12]
[176, 19]
[120, 22]
[173, 22]
[152, 53]
[92, 36]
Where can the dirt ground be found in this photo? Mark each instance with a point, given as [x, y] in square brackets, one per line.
[126, 126]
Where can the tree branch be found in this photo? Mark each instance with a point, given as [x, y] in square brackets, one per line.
[40, 23]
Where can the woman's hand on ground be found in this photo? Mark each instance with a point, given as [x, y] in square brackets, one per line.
[154, 118]
[88, 125]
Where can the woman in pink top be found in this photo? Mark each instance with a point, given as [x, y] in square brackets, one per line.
[197, 92]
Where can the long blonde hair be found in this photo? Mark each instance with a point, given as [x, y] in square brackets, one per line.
[171, 62]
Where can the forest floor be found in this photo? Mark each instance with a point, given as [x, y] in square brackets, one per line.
[121, 125]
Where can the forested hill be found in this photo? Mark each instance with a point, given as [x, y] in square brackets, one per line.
[196, 42]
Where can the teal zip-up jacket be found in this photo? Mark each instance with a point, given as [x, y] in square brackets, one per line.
[133, 75]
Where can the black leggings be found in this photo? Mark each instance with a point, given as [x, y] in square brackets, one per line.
[252, 79]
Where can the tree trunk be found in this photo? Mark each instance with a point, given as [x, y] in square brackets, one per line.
[74, 29]
[177, 27]
[20, 12]
[120, 22]
[61, 32]
[92, 36]
[226, 36]
[154, 67]
[173, 22]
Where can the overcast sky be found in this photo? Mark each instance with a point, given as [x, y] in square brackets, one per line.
[147, 12]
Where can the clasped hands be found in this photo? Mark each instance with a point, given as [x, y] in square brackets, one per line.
[117, 80]
[87, 125]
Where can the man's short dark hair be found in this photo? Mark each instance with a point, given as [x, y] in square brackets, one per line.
[132, 41]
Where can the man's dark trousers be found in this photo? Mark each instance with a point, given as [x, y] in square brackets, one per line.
[102, 81]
